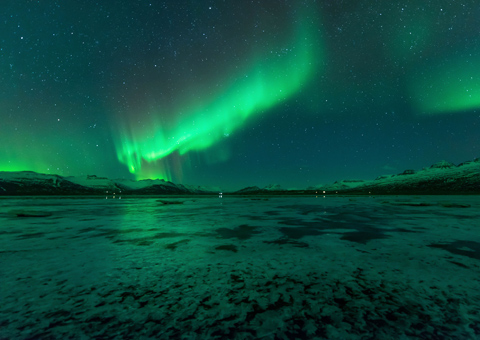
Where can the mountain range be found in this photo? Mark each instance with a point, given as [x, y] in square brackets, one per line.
[440, 178]
[32, 183]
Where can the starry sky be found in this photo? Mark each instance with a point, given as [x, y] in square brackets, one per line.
[238, 93]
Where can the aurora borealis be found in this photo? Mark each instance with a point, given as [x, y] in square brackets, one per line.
[268, 82]
[232, 94]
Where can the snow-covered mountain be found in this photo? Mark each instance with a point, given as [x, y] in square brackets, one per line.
[32, 183]
[93, 182]
[440, 178]
[273, 187]
[248, 190]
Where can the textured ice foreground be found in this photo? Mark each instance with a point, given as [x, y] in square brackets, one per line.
[240, 268]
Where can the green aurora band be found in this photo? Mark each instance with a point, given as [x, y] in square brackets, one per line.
[268, 82]
[448, 86]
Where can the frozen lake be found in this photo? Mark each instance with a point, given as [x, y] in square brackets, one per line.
[240, 268]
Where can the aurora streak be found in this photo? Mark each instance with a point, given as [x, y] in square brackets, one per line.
[449, 87]
[269, 81]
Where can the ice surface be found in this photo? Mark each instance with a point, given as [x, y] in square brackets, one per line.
[241, 268]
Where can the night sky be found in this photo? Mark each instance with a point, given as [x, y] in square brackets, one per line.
[238, 93]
